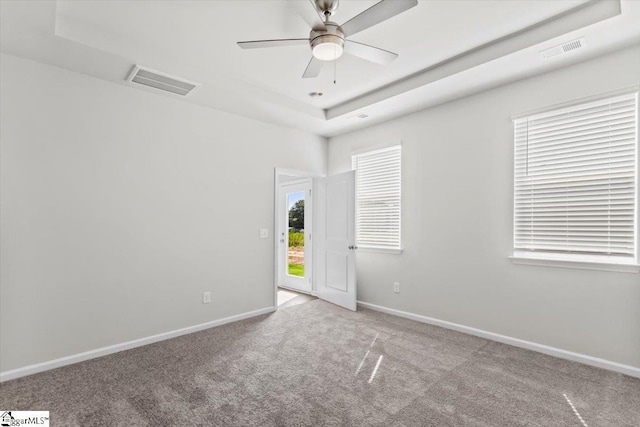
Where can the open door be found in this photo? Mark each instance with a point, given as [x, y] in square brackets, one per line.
[335, 233]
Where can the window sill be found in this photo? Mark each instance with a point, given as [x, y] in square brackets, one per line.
[582, 264]
[380, 250]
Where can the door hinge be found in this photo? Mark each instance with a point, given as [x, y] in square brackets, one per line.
[309, 236]
[309, 192]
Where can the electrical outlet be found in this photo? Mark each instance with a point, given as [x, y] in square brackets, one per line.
[396, 287]
[206, 297]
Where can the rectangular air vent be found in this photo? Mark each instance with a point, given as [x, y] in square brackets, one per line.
[563, 48]
[161, 81]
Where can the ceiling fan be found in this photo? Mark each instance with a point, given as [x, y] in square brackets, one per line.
[328, 40]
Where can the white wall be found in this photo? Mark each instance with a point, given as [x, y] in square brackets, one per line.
[457, 223]
[120, 207]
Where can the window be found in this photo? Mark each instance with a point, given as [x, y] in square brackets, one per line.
[576, 182]
[378, 181]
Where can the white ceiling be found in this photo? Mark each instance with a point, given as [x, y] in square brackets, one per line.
[499, 42]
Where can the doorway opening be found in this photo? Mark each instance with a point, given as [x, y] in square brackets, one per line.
[293, 233]
[314, 247]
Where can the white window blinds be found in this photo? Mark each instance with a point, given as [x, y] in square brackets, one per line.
[576, 178]
[378, 187]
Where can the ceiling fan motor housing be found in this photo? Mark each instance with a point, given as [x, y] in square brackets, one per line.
[328, 44]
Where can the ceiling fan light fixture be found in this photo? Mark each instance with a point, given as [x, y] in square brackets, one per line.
[328, 47]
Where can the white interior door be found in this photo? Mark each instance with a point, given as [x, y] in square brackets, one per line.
[335, 239]
[295, 254]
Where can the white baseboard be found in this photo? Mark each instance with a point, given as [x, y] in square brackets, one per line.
[540, 348]
[99, 352]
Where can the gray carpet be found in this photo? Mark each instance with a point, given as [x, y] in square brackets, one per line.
[304, 366]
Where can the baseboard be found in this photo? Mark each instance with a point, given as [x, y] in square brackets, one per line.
[540, 348]
[99, 352]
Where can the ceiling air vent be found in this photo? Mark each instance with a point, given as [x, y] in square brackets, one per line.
[157, 80]
[563, 48]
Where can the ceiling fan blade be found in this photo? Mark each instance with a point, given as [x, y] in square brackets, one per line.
[309, 13]
[376, 14]
[313, 69]
[370, 53]
[256, 44]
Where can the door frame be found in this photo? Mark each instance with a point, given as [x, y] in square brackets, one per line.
[279, 175]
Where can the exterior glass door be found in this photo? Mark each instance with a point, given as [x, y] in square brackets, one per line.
[295, 235]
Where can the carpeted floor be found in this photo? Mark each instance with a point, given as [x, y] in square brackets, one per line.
[318, 365]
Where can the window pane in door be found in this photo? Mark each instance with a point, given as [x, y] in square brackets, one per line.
[295, 249]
